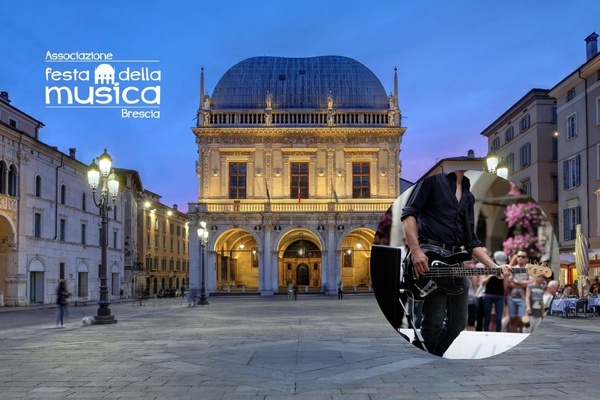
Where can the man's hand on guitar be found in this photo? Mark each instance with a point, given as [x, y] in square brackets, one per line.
[506, 272]
[420, 262]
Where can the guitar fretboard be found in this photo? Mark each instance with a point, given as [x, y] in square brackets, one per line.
[440, 269]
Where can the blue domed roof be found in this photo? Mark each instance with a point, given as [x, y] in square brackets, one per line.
[299, 83]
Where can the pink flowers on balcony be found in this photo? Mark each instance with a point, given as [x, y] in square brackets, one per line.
[523, 220]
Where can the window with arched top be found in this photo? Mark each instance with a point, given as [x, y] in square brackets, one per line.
[12, 181]
[38, 186]
[2, 177]
[63, 194]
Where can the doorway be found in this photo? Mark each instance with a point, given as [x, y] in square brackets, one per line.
[36, 287]
[302, 277]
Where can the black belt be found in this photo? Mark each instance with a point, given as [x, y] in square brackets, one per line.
[452, 248]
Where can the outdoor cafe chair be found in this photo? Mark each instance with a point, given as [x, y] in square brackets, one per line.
[581, 306]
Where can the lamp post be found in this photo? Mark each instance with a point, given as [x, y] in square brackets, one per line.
[100, 174]
[203, 236]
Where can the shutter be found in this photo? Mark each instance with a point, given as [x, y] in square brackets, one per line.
[565, 174]
[578, 169]
[566, 230]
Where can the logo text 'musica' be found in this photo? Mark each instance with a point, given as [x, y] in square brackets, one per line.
[103, 85]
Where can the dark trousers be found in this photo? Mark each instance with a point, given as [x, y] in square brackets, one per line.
[498, 302]
[61, 315]
[444, 316]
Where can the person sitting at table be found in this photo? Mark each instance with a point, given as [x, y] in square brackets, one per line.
[549, 295]
[567, 291]
[574, 291]
[594, 292]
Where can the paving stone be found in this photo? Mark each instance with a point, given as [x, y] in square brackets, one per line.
[250, 347]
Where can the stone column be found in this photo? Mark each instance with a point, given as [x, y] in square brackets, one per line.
[209, 266]
[269, 271]
[329, 265]
[194, 252]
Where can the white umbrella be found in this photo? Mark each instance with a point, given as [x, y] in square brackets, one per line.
[567, 259]
[582, 261]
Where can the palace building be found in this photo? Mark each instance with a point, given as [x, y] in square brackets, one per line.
[298, 160]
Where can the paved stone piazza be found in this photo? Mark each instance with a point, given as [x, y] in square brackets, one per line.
[272, 348]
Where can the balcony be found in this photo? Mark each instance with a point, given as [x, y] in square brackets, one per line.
[8, 203]
[291, 206]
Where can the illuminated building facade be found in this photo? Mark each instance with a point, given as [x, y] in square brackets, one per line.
[298, 159]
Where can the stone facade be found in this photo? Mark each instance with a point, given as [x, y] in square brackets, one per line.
[162, 246]
[49, 226]
[295, 172]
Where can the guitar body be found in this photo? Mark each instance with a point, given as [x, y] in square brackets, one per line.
[436, 279]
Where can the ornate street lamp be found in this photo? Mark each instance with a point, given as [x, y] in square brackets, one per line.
[492, 162]
[203, 236]
[100, 174]
[502, 169]
[496, 165]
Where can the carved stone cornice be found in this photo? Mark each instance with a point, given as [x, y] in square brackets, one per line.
[362, 151]
[296, 151]
[323, 138]
[298, 135]
[238, 151]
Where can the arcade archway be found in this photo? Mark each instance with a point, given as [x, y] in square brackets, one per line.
[300, 261]
[355, 259]
[236, 258]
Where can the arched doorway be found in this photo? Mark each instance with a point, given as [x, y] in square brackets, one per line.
[355, 259]
[236, 258]
[5, 239]
[36, 281]
[300, 261]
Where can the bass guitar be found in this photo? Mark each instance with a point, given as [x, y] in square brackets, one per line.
[444, 269]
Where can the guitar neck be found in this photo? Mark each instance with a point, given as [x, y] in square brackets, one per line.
[485, 271]
[463, 271]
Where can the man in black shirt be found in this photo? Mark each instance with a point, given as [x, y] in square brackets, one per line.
[435, 219]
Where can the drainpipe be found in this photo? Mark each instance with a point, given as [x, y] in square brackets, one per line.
[56, 194]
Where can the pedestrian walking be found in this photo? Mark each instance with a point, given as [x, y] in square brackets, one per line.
[192, 297]
[340, 290]
[517, 286]
[62, 295]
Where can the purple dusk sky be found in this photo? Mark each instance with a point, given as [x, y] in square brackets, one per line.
[460, 65]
